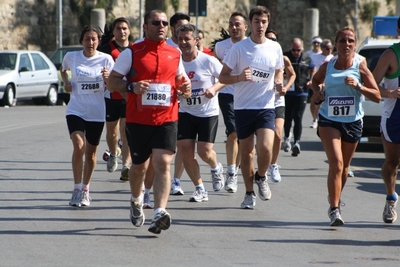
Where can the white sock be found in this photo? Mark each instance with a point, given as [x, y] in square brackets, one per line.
[78, 186]
[157, 210]
[201, 186]
[232, 169]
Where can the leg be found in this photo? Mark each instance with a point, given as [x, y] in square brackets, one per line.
[277, 140]
[186, 146]
[390, 165]
[265, 139]
[78, 142]
[232, 150]
[90, 163]
[112, 136]
[162, 159]
[246, 147]
[126, 155]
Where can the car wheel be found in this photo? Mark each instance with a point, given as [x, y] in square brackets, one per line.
[8, 97]
[52, 96]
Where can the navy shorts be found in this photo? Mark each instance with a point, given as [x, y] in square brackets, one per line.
[115, 109]
[143, 138]
[248, 121]
[390, 128]
[226, 105]
[91, 129]
[190, 127]
[351, 132]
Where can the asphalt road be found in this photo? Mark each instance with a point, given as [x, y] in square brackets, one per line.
[38, 228]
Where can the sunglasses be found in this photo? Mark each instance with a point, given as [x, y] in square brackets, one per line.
[158, 23]
[296, 50]
[344, 40]
[272, 39]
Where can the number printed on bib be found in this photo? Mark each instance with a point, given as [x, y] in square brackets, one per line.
[339, 106]
[197, 98]
[260, 73]
[158, 94]
[88, 85]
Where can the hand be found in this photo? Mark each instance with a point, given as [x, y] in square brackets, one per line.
[141, 87]
[318, 97]
[351, 81]
[105, 74]
[184, 86]
[68, 87]
[245, 75]
[279, 88]
[210, 92]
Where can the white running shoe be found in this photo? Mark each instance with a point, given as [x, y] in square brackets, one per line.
[335, 216]
[199, 195]
[217, 178]
[286, 146]
[176, 189]
[314, 124]
[389, 213]
[85, 202]
[264, 192]
[161, 221]
[273, 171]
[249, 202]
[136, 214]
[76, 198]
[112, 163]
[231, 182]
[147, 201]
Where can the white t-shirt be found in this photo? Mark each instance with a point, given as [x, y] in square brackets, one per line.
[263, 59]
[87, 95]
[203, 72]
[172, 43]
[221, 49]
[319, 59]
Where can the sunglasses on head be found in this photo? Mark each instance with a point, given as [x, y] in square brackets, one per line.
[296, 50]
[158, 23]
[344, 40]
[272, 39]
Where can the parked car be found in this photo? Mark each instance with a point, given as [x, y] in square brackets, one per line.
[27, 74]
[57, 58]
[372, 49]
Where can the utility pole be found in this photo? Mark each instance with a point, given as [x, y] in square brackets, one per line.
[59, 28]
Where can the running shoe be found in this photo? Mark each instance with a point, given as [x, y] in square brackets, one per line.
[296, 149]
[249, 201]
[176, 189]
[85, 198]
[161, 221]
[350, 173]
[217, 178]
[231, 182]
[112, 163]
[147, 201]
[273, 171]
[264, 192]
[199, 195]
[336, 218]
[286, 144]
[124, 174]
[314, 124]
[76, 198]
[137, 215]
[389, 212]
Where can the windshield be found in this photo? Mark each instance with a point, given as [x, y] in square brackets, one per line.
[7, 61]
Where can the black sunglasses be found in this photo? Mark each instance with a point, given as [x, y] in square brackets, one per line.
[296, 50]
[272, 39]
[158, 23]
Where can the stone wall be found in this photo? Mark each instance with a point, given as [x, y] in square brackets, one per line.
[32, 24]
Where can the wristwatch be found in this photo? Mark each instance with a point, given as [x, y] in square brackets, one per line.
[358, 87]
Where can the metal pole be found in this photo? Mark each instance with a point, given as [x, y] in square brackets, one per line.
[197, 14]
[141, 18]
[356, 19]
[60, 19]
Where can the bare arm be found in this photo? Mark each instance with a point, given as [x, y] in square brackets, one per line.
[370, 88]
[227, 78]
[290, 74]
[210, 92]
[386, 65]
[64, 77]
[279, 81]
[317, 84]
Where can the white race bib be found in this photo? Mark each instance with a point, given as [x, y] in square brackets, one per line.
[339, 106]
[89, 85]
[197, 98]
[260, 73]
[158, 94]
